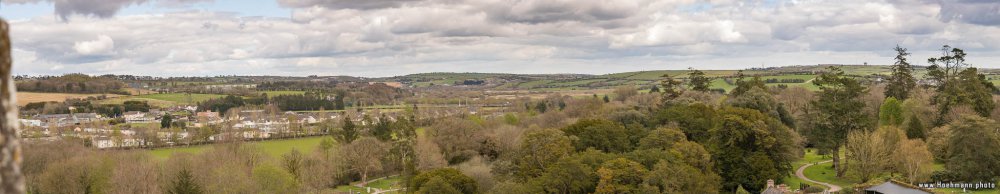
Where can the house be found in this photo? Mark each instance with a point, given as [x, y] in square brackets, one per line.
[108, 142]
[895, 187]
[775, 189]
[137, 117]
[31, 122]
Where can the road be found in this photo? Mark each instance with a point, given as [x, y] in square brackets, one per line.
[800, 173]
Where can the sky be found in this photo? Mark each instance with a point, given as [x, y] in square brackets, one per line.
[376, 38]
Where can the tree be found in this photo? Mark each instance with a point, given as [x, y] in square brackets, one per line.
[958, 85]
[382, 129]
[743, 86]
[450, 176]
[750, 148]
[365, 156]
[568, 175]
[869, 154]
[698, 81]
[839, 111]
[540, 149]
[271, 179]
[654, 89]
[165, 121]
[620, 176]
[663, 138]
[759, 99]
[914, 160]
[891, 113]
[293, 163]
[599, 134]
[671, 87]
[348, 133]
[915, 128]
[901, 80]
[974, 149]
[695, 120]
[184, 184]
[437, 185]
[675, 177]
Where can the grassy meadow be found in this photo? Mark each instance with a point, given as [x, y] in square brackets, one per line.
[273, 148]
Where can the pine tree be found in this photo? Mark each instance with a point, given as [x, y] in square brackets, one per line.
[840, 111]
[671, 87]
[698, 81]
[901, 81]
[915, 128]
[184, 184]
[655, 89]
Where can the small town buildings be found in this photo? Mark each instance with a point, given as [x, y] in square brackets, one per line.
[137, 117]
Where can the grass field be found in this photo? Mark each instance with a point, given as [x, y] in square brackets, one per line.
[274, 148]
[283, 92]
[163, 100]
[23, 98]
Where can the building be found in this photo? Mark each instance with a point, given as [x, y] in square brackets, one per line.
[775, 189]
[895, 187]
[137, 117]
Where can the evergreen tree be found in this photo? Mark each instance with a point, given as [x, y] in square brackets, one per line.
[915, 128]
[165, 121]
[348, 133]
[184, 184]
[655, 89]
[606, 99]
[901, 80]
[671, 87]
[840, 110]
[958, 85]
[698, 81]
[743, 85]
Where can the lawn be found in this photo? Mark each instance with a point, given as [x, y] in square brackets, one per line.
[282, 92]
[273, 148]
[164, 100]
[810, 157]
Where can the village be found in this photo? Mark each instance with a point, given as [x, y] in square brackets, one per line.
[184, 125]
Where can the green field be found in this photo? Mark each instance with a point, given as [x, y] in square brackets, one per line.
[168, 99]
[274, 148]
[283, 92]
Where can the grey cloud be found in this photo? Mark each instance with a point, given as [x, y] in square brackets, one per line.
[345, 4]
[98, 8]
[545, 11]
[982, 12]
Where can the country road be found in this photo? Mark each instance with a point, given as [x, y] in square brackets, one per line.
[800, 173]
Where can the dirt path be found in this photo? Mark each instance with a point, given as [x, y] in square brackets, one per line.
[800, 173]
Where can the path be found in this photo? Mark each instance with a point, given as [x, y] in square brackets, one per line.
[376, 190]
[800, 173]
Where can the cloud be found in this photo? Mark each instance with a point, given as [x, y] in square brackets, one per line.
[982, 12]
[344, 4]
[384, 38]
[99, 8]
[102, 46]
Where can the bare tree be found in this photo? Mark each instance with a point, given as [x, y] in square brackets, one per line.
[365, 156]
[10, 149]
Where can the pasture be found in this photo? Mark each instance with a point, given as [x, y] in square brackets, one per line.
[23, 98]
[273, 148]
[167, 99]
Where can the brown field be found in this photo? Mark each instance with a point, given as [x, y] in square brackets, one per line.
[24, 98]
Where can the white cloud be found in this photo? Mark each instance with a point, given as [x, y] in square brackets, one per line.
[102, 46]
[541, 36]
